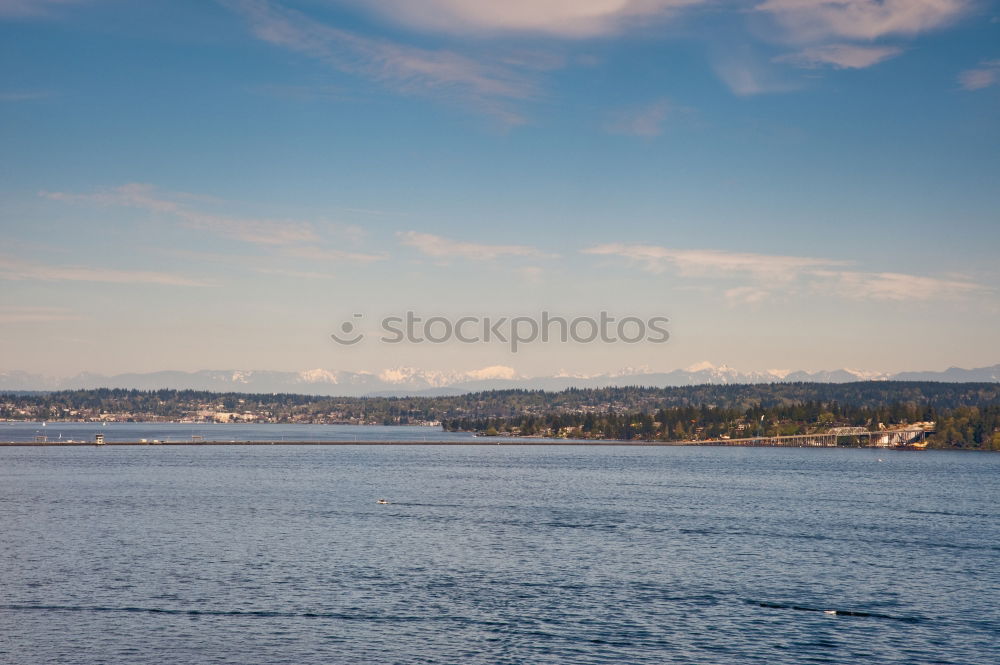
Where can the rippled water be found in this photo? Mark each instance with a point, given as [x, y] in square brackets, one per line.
[64, 432]
[494, 554]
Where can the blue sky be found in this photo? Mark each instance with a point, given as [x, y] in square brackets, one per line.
[798, 184]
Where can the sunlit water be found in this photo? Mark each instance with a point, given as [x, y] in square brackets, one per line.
[496, 554]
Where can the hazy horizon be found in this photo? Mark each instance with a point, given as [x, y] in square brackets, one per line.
[509, 372]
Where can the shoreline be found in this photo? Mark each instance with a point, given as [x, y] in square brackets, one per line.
[539, 442]
[494, 442]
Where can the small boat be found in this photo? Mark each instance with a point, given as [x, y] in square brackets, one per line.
[917, 445]
[382, 502]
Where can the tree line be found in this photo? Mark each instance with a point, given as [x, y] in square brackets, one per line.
[961, 427]
[965, 412]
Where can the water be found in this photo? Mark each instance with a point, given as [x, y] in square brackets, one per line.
[55, 432]
[494, 554]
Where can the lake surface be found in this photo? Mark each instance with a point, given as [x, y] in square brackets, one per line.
[495, 554]
[55, 432]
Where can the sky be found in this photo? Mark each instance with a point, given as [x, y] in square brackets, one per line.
[795, 184]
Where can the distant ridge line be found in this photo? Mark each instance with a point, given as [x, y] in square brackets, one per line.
[411, 382]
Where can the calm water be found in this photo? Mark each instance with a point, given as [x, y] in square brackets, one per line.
[493, 554]
[183, 432]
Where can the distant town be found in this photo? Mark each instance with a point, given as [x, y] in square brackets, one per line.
[945, 415]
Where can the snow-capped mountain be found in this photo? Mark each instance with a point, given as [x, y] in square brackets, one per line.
[410, 380]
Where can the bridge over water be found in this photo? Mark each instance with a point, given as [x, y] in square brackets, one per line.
[880, 439]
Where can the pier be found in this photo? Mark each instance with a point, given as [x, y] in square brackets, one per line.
[895, 438]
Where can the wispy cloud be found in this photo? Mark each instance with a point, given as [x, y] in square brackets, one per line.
[294, 274]
[746, 77]
[892, 286]
[488, 86]
[290, 241]
[747, 295]
[286, 261]
[149, 198]
[823, 29]
[646, 121]
[692, 262]
[840, 56]
[812, 20]
[562, 18]
[324, 254]
[767, 275]
[18, 270]
[823, 33]
[820, 32]
[445, 248]
[987, 74]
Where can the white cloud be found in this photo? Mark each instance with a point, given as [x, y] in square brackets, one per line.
[891, 286]
[147, 197]
[440, 74]
[647, 121]
[984, 76]
[294, 274]
[322, 254]
[765, 274]
[446, 248]
[745, 77]
[297, 240]
[561, 18]
[695, 262]
[811, 20]
[840, 56]
[16, 269]
[748, 295]
[820, 29]
[822, 32]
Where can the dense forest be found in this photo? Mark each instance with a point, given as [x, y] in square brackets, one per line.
[962, 427]
[965, 414]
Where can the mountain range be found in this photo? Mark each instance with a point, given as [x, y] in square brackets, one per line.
[411, 381]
